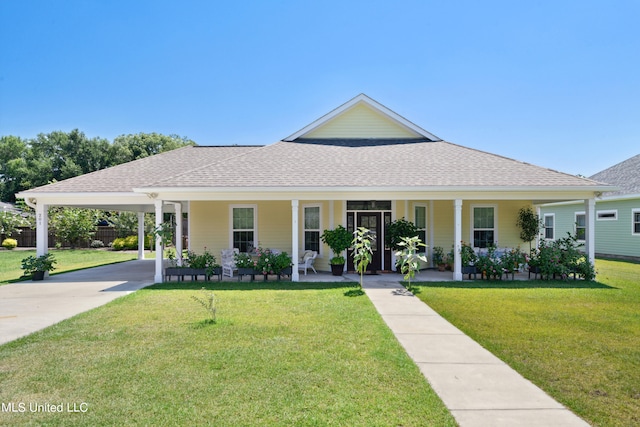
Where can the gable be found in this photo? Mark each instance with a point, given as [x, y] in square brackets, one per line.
[362, 118]
[361, 121]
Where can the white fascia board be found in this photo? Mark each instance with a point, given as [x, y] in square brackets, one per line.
[369, 193]
[77, 197]
[362, 98]
[619, 197]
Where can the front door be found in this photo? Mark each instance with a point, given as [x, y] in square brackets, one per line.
[373, 222]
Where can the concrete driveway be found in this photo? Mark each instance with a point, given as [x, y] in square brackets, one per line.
[26, 307]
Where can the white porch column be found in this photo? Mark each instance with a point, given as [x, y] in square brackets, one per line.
[590, 220]
[178, 209]
[539, 213]
[42, 229]
[457, 233]
[141, 235]
[159, 255]
[295, 275]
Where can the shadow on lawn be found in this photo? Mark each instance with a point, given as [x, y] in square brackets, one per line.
[250, 286]
[516, 284]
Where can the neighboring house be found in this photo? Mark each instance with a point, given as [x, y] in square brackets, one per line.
[617, 216]
[359, 165]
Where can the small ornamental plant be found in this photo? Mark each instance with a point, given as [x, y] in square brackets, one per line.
[244, 260]
[468, 256]
[208, 302]
[362, 251]
[410, 258]
[206, 261]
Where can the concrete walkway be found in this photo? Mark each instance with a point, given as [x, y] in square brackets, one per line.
[477, 387]
[26, 307]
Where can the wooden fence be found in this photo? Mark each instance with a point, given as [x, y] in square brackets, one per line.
[27, 238]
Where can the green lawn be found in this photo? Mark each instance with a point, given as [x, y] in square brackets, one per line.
[68, 260]
[579, 342]
[280, 354]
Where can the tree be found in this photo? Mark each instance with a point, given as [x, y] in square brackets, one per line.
[73, 225]
[126, 148]
[362, 250]
[13, 166]
[529, 223]
[60, 155]
[9, 223]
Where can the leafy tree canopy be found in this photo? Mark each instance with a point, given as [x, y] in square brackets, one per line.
[60, 155]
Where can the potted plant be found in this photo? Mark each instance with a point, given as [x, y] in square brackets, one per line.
[246, 265]
[468, 259]
[395, 233]
[438, 257]
[204, 265]
[36, 267]
[283, 265]
[338, 239]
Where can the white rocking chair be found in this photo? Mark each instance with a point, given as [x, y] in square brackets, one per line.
[307, 260]
[228, 261]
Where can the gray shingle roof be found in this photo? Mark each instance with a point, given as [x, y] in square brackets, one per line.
[394, 164]
[146, 171]
[625, 175]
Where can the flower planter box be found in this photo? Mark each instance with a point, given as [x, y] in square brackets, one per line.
[470, 269]
[244, 271]
[179, 272]
[285, 272]
[535, 270]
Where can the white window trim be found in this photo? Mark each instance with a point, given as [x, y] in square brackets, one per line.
[495, 223]
[544, 226]
[575, 225]
[255, 222]
[426, 223]
[304, 207]
[609, 211]
[633, 213]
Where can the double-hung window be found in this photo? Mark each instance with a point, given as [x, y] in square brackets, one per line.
[312, 228]
[635, 221]
[581, 226]
[420, 221]
[484, 226]
[549, 221]
[243, 226]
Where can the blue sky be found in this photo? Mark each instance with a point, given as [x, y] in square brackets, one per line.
[553, 83]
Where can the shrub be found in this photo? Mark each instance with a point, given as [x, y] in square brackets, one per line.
[561, 258]
[97, 244]
[9, 243]
[129, 243]
[118, 244]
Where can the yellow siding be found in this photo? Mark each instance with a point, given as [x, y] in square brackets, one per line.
[210, 226]
[361, 122]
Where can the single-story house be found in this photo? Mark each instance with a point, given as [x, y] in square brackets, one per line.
[359, 165]
[617, 217]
